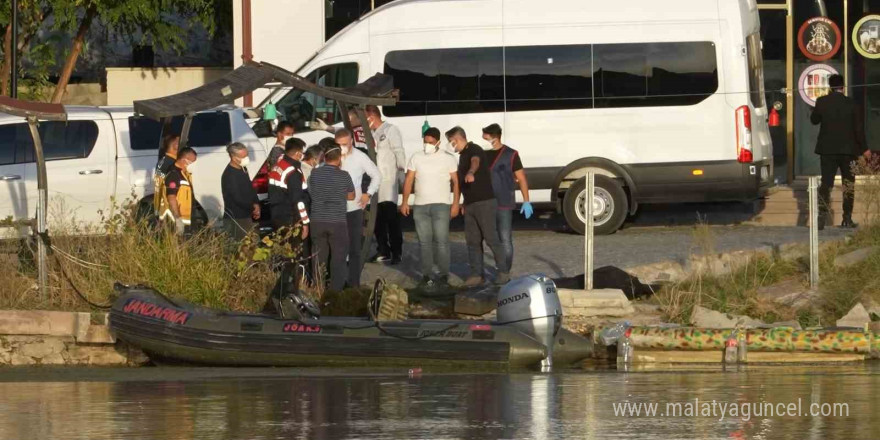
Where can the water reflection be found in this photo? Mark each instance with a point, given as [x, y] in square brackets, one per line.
[312, 405]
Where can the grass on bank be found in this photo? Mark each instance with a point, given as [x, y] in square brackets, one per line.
[737, 292]
[205, 269]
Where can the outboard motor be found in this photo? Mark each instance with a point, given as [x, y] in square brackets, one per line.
[531, 304]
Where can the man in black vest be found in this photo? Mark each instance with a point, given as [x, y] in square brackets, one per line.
[841, 141]
[508, 175]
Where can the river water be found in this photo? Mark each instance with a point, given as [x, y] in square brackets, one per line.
[187, 403]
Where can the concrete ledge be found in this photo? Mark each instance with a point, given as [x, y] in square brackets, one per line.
[717, 356]
[37, 322]
[606, 302]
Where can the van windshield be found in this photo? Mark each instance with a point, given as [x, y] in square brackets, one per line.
[756, 70]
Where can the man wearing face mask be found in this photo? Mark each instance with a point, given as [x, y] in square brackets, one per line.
[391, 160]
[288, 199]
[356, 164]
[431, 171]
[283, 132]
[240, 203]
[507, 173]
[311, 159]
[177, 193]
[479, 208]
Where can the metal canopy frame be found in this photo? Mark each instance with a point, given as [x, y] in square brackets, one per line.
[33, 112]
[377, 90]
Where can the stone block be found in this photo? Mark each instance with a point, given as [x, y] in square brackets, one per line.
[476, 303]
[606, 302]
[30, 322]
[706, 318]
[857, 317]
[662, 272]
[855, 257]
[42, 348]
[19, 360]
[104, 355]
[791, 293]
[97, 334]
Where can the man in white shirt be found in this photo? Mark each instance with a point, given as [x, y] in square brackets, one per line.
[391, 159]
[434, 172]
[356, 164]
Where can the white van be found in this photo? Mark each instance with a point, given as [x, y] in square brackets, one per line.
[104, 152]
[663, 99]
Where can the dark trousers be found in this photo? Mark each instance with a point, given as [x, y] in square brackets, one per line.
[331, 242]
[355, 221]
[830, 163]
[237, 228]
[389, 236]
[479, 226]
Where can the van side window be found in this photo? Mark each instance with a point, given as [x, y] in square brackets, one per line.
[549, 77]
[207, 130]
[756, 70]
[446, 81]
[653, 74]
[61, 140]
[300, 108]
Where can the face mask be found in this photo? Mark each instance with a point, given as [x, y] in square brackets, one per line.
[189, 165]
[244, 161]
[346, 149]
[429, 148]
[486, 145]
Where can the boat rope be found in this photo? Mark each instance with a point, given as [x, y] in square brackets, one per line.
[76, 289]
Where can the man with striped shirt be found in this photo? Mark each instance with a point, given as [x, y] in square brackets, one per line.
[331, 188]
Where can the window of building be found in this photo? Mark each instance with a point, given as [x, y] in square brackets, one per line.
[207, 130]
[61, 140]
[548, 77]
[654, 74]
[446, 81]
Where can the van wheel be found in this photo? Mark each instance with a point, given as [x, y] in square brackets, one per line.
[609, 205]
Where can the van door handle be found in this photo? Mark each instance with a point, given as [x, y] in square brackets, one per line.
[10, 177]
[89, 172]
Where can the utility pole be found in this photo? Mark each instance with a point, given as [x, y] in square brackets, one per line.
[13, 82]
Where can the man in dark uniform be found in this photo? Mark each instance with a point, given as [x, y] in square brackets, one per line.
[841, 141]
[288, 199]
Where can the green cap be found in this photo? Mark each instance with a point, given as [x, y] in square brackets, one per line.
[425, 127]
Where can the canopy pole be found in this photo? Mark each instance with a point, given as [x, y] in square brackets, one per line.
[42, 206]
[374, 201]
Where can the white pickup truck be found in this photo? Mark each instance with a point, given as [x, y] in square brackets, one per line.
[102, 152]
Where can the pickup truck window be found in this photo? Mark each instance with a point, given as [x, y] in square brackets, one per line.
[61, 140]
[208, 130]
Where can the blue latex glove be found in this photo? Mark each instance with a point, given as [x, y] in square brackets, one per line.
[527, 210]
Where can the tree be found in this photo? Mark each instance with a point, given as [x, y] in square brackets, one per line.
[143, 21]
[32, 15]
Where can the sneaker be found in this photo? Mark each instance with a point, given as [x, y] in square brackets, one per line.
[427, 282]
[502, 278]
[473, 281]
[379, 258]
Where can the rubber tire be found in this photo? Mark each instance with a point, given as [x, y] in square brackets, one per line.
[618, 195]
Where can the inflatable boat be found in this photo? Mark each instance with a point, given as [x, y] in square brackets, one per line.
[526, 333]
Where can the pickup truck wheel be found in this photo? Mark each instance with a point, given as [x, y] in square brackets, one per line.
[609, 205]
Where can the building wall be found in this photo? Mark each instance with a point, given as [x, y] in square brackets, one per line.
[125, 85]
[284, 32]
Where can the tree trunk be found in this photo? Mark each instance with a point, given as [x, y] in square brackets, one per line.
[75, 50]
[7, 62]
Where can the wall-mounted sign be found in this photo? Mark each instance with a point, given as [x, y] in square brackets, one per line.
[814, 82]
[819, 39]
[866, 36]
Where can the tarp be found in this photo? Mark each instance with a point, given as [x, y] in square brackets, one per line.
[378, 90]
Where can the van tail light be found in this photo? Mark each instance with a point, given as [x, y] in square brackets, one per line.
[261, 182]
[744, 135]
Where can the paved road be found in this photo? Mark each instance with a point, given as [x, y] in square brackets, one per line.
[547, 246]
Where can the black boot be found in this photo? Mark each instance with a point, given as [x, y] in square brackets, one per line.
[822, 220]
[848, 223]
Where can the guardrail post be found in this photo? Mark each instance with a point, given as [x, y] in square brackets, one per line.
[588, 231]
[814, 232]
